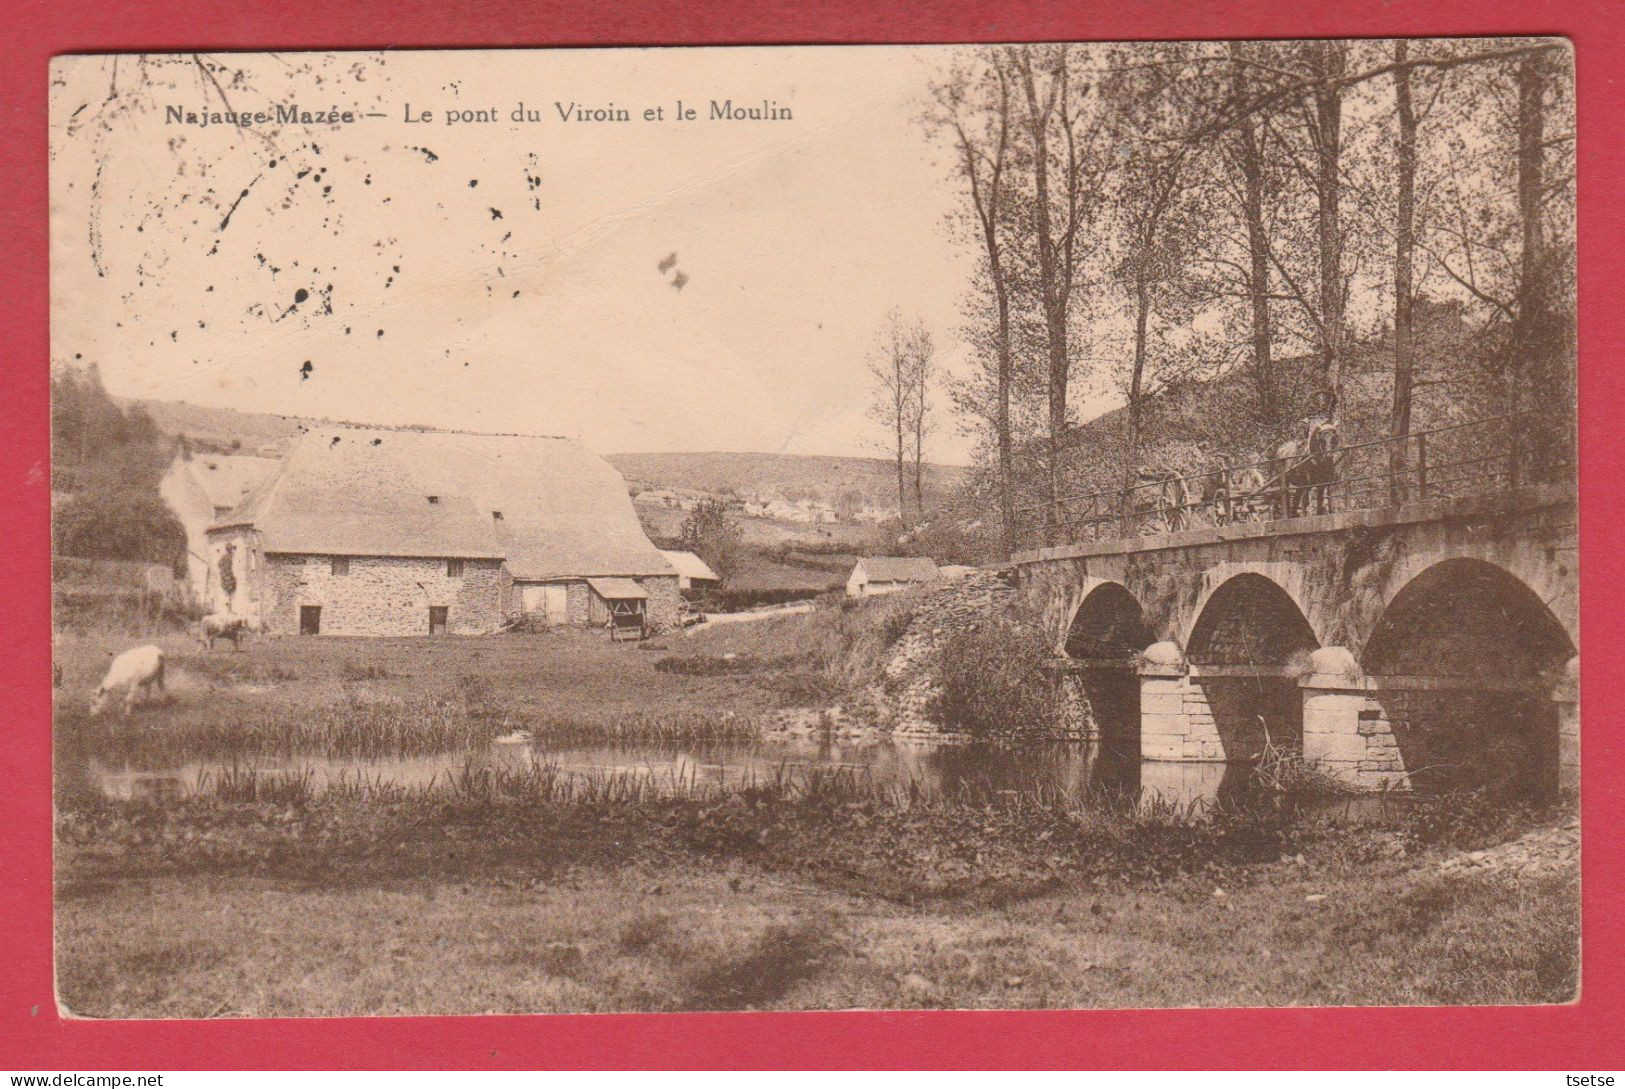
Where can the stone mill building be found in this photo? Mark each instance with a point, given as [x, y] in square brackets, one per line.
[362, 531]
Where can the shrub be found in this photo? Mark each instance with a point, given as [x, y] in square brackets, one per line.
[991, 681]
[119, 522]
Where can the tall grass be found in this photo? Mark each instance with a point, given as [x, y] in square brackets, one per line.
[827, 789]
[376, 729]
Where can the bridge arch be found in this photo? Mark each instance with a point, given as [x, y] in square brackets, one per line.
[1462, 663]
[1248, 646]
[1108, 625]
[1107, 633]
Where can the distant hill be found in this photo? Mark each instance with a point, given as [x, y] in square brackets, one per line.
[838, 480]
[224, 430]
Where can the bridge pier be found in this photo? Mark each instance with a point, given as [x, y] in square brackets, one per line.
[1344, 731]
[1567, 698]
[1176, 722]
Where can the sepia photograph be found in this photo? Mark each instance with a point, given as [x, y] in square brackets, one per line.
[1064, 525]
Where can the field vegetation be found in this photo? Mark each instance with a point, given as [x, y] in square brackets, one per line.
[534, 888]
[535, 892]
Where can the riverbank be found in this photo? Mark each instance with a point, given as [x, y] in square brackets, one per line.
[810, 895]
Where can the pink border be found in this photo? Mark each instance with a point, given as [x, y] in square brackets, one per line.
[1578, 1037]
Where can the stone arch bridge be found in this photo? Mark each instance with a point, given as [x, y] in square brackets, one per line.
[1432, 643]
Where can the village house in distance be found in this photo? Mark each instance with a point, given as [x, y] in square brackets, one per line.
[887, 574]
[374, 531]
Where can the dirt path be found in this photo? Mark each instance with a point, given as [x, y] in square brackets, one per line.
[713, 619]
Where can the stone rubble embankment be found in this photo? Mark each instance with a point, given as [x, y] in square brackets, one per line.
[940, 612]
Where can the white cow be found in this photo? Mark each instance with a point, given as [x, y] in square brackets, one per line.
[141, 668]
[223, 626]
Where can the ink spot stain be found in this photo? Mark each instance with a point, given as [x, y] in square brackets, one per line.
[495, 214]
[335, 441]
[300, 296]
[306, 371]
[380, 332]
[377, 442]
[472, 182]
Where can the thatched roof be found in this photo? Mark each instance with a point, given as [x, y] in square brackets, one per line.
[366, 492]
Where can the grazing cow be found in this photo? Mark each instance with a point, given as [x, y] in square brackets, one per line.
[223, 626]
[141, 668]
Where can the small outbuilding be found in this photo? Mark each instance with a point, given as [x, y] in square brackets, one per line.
[887, 574]
[693, 573]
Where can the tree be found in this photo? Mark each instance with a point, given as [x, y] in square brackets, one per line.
[973, 107]
[1155, 219]
[922, 378]
[1404, 260]
[901, 365]
[709, 532]
[1247, 161]
[1065, 165]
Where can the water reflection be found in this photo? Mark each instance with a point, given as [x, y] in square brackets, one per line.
[1062, 770]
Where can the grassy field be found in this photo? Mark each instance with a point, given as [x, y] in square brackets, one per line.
[381, 697]
[518, 905]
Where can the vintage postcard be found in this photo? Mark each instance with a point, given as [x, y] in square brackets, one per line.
[1057, 525]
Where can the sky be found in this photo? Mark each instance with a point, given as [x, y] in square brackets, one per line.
[507, 276]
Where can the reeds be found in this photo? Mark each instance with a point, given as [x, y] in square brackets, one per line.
[391, 728]
[831, 790]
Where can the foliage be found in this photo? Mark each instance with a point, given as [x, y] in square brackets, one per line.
[109, 460]
[709, 532]
[119, 522]
[991, 682]
[228, 576]
[1254, 227]
[95, 443]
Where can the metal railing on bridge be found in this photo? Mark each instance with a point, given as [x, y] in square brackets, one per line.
[1320, 476]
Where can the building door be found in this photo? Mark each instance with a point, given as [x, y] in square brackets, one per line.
[437, 619]
[530, 598]
[557, 604]
[310, 620]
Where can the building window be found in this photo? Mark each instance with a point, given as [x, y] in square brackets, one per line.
[341, 565]
[454, 569]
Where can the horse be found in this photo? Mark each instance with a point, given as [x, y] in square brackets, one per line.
[1303, 470]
